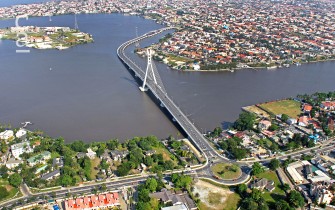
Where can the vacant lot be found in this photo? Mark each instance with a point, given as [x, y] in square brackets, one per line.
[226, 171]
[289, 107]
[257, 111]
[215, 198]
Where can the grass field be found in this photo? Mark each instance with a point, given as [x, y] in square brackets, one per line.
[289, 107]
[166, 154]
[232, 202]
[12, 190]
[271, 197]
[226, 171]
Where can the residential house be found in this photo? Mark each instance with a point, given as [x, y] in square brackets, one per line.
[262, 184]
[150, 152]
[20, 148]
[21, 134]
[102, 201]
[118, 155]
[57, 162]
[307, 108]
[303, 121]
[91, 154]
[328, 105]
[13, 163]
[292, 121]
[106, 156]
[264, 124]
[39, 159]
[51, 175]
[7, 135]
[80, 155]
[175, 198]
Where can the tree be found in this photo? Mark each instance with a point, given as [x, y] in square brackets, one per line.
[181, 181]
[245, 121]
[143, 205]
[15, 180]
[3, 192]
[274, 164]
[66, 180]
[151, 184]
[284, 117]
[256, 194]
[286, 187]
[257, 168]
[249, 204]
[295, 199]
[282, 205]
[168, 165]
[148, 161]
[143, 195]
[241, 189]
[273, 127]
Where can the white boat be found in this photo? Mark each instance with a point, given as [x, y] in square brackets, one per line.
[272, 67]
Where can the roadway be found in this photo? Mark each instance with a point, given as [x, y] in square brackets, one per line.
[185, 123]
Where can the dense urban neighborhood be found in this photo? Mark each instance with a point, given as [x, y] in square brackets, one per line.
[221, 35]
[277, 155]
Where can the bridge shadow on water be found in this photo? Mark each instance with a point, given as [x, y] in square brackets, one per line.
[131, 81]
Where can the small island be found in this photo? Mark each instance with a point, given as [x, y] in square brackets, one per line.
[46, 37]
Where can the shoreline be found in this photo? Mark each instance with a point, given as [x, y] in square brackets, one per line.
[254, 68]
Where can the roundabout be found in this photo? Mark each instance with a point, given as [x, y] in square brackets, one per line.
[226, 171]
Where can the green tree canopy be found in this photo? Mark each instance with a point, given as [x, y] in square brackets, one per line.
[274, 164]
[3, 192]
[15, 180]
[257, 168]
[151, 184]
[245, 121]
[295, 199]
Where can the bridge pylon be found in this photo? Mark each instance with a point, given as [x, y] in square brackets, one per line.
[149, 71]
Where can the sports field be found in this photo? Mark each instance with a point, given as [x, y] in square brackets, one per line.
[289, 107]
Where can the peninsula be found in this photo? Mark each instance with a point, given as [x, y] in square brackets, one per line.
[46, 37]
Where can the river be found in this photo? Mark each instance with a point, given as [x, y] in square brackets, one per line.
[86, 93]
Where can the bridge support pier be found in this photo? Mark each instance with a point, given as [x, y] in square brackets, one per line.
[143, 89]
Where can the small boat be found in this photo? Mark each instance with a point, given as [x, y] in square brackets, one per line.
[272, 67]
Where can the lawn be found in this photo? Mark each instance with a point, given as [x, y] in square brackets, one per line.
[232, 202]
[270, 197]
[289, 107]
[95, 167]
[226, 171]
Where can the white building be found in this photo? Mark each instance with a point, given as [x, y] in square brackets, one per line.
[6, 135]
[20, 148]
[22, 133]
[320, 177]
[12, 163]
[292, 170]
[90, 153]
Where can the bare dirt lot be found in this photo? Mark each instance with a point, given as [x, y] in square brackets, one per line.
[215, 198]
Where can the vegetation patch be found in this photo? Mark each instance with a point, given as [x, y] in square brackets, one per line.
[288, 107]
[226, 171]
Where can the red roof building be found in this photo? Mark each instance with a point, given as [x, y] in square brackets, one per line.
[93, 202]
